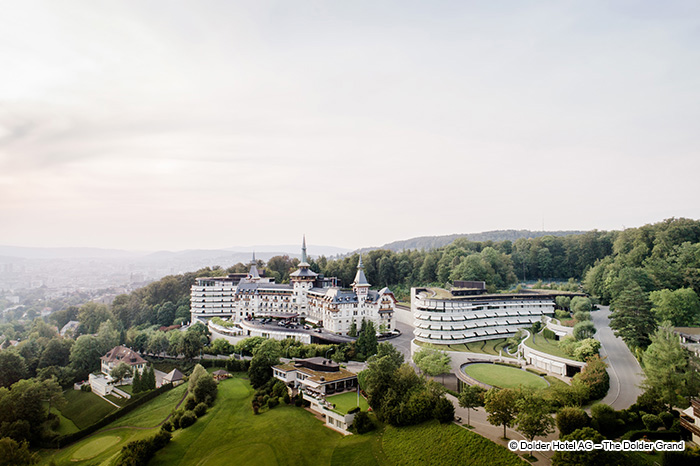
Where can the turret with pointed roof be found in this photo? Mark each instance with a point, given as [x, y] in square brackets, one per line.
[360, 286]
[253, 274]
[303, 272]
[304, 261]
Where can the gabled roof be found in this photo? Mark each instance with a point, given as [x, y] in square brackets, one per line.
[123, 354]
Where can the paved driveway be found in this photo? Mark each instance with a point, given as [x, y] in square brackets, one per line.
[625, 372]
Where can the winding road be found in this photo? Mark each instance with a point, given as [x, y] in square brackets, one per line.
[623, 368]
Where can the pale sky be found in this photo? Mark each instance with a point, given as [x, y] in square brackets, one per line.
[207, 124]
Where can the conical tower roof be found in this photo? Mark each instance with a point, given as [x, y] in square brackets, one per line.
[360, 279]
[253, 273]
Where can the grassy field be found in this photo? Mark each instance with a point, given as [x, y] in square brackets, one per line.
[433, 443]
[504, 377]
[85, 408]
[231, 434]
[540, 343]
[66, 426]
[153, 412]
[347, 401]
[104, 446]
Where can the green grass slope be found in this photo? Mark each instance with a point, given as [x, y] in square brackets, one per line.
[230, 434]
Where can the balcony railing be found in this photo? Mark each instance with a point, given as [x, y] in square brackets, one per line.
[688, 423]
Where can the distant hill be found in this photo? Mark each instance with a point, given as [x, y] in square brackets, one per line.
[433, 242]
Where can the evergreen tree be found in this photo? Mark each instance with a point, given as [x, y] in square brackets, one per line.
[353, 329]
[668, 368]
[367, 341]
[136, 384]
[631, 318]
[150, 379]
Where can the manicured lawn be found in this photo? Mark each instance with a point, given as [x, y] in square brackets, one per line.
[94, 447]
[347, 401]
[443, 444]
[231, 434]
[104, 446]
[503, 376]
[540, 343]
[127, 388]
[66, 426]
[153, 412]
[85, 408]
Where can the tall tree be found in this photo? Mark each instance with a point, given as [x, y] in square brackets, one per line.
[120, 372]
[631, 318]
[533, 417]
[681, 307]
[501, 404]
[12, 367]
[472, 396]
[432, 361]
[85, 355]
[668, 368]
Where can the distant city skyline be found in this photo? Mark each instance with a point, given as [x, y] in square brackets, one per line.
[172, 126]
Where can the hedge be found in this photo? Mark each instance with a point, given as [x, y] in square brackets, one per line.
[535, 371]
[231, 365]
[64, 440]
[652, 435]
[548, 334]
[509, 364]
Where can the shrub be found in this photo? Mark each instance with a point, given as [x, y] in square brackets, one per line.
[444, 410]
[354, 410]
[286, 398]
[582, 316]
[175, 418]
[595, 377]
[581, 304]
[667, 418]
[561, 315]
[272, 402]
[604, 419]
[548, 334]
[570, 419]
[85, 387]
[140, 452]
[187, 419]
[206, 389]
[652, 421]
[362, 423]
[167, 426]
[190, 403]
[200, 410]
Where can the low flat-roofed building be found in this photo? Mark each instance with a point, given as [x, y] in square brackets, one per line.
[315, 378]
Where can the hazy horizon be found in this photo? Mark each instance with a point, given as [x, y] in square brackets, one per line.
[172, 126]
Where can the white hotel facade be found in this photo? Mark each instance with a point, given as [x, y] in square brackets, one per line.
[467, 314]
[318, 299]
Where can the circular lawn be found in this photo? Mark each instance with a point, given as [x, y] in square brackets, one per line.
[504, 376]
